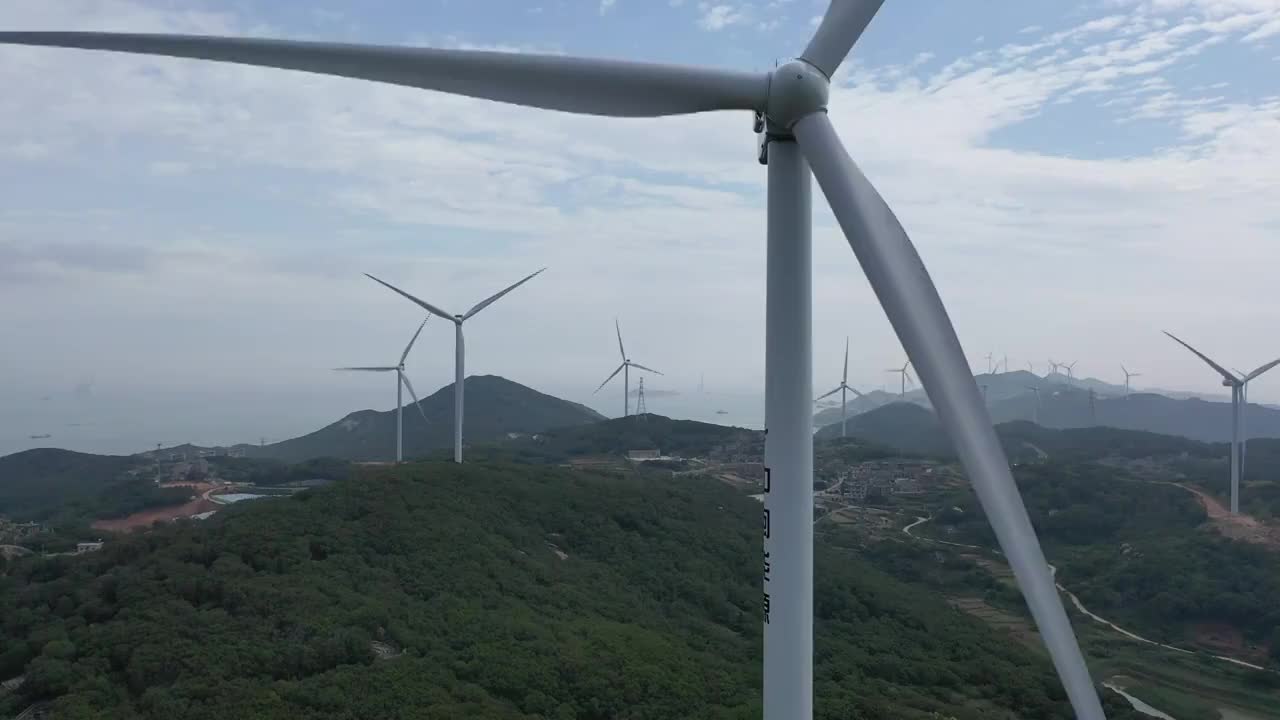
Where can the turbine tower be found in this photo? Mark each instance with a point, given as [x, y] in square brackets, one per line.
[989, 367]
[843, 388]
[798, 142]
[1128, 375]
[459, 347]
[1237, 384]
[1035, 411]
[402, 381]
[625, 369]
[906, 376]
[1053, 367]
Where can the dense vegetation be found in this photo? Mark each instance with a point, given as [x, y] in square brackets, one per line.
[259, 471]
[637, 432]
[495, 407]
[269, 611]
[1135, 552]
[70, 487]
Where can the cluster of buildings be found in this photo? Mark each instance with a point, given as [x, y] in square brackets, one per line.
[881, 479]
[13, 533]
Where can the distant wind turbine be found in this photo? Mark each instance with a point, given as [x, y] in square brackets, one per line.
[843, 388]
[402, 381]
[1237, 384]
[1035, 412]
[625, 369]
[1031, 368]
[1053, 367]
[1071, 369]
[906, 377]
[1128, 375]
[459, 347]
[989, 366]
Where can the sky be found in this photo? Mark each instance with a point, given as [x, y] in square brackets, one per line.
[182, 243]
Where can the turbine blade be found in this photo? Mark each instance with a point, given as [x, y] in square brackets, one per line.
[840, 29]
[409, 386]
[638, 365]
[413, 340]
[578, 85]
[421, 303]
[621, 351]
[907, 375]
[911, 302]
[833, 392]
[1261, 370]
[1226, 374]
[606, 380]
[368, 369]
[855, 392]
[845, 378]
[494, 297]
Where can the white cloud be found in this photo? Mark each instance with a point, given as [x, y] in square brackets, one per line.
[719, 16]
[606, 6]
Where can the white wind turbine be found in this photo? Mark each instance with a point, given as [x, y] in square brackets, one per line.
[843, 388]
[1237, 384]
[906, 377]
[789, 106]
[459, 348]
[625, 369]
[1128, 375]
[402, 381]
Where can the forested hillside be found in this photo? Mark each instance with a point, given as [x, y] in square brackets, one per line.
[499, 591]
[1139, 553]
[61, 485]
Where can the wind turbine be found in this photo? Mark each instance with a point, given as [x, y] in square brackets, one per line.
[402, 381]
[789, 106]
[1237, 384]
[989, 370]
[1128, 375]
[625, 369]
[1035, 412]
[843, 388]
[1031, 368]
[459, 347]
[1071, 368]
[906, 376]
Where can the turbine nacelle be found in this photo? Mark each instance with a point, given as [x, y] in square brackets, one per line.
[796, 89]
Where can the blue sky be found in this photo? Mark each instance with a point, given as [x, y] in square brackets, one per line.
[1077, 176]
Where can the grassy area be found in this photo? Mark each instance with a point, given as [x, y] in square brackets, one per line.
[1188, 687]
[1179, 684]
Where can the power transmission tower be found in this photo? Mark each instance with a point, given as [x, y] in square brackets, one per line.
[640, 408]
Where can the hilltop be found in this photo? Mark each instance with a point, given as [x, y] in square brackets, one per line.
[495, 407]
[617, 436]
[493, 591]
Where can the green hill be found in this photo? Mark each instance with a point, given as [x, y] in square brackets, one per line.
[636, 432]
[496, 591]
[53, 484]
[495, 407]
[901, 425]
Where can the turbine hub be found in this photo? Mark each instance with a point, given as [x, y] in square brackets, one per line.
[796, 89]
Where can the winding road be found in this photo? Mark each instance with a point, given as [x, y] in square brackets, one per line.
[1080, 606]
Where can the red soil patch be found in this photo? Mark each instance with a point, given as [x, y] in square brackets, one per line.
[1238, 527]
[165, 514]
